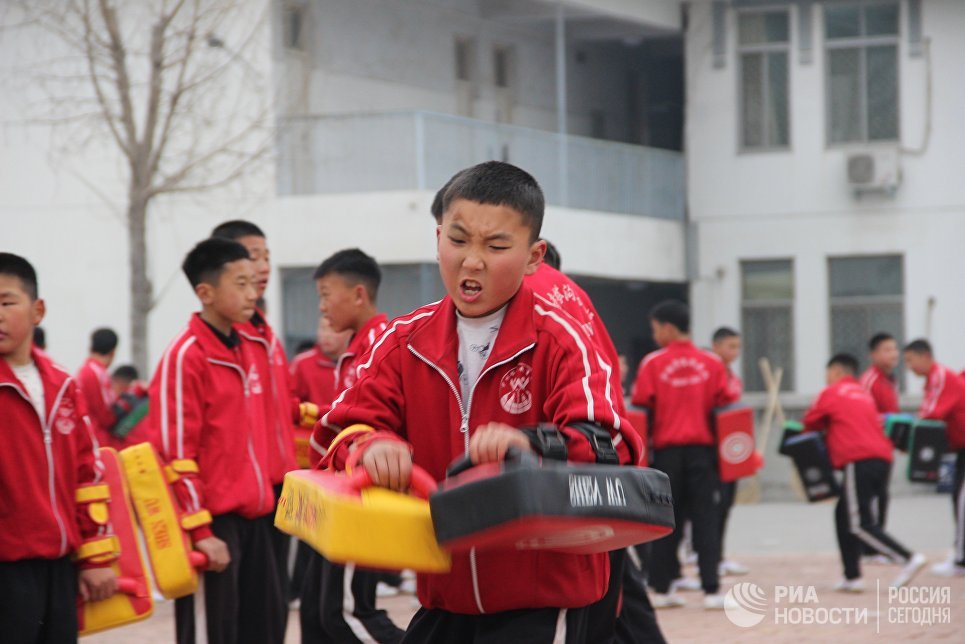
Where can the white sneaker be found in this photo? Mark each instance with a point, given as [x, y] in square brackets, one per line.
[690, 558]
[666, 600]
[850, 586]
[731, 568]
[716, 602]
[385, 590]
[910, 569]
[948, 569]
[877, 560]
[407, 586]
[685, 583]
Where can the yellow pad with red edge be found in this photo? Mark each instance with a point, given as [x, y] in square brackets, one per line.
[374, 527]
[302, 447]
[133, 601]
[168, 546]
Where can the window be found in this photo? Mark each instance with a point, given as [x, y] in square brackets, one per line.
[862, 71]
[502, 66]
[767, 292]
[464, 59]
[867, 296]
[293, 21]
[763, 43]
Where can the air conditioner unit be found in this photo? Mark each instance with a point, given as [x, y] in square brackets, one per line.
[875, 170]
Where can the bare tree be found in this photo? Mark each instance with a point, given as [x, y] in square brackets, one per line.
[186, 111]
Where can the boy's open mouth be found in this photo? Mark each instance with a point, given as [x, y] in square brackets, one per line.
[470, 289]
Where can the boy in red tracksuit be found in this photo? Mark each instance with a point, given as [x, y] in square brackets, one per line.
[50, 477]
[628, 599]
[94, 381]
[726, 344]
[338, 601]
[207, 417]
[313, 370]
[945, 400]
[857, 446]
[282, 409]
[457, 378]
[879, 379]
[681, 384]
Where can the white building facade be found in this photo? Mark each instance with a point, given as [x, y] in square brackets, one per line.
[824, 145]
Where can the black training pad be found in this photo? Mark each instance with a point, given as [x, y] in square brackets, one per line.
[552, 489]
[810, 457]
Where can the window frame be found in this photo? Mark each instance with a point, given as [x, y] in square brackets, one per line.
[861, 43]
[860, 302]
[762, 50]
[789, 380]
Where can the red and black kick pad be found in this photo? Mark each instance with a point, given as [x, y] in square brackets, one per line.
[528, 505]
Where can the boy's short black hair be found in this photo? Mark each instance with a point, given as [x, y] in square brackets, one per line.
[125, 372]
[354, 265]
[920, 345]
[40, 337]
[723, 333]
[103, 341]
[500, 184]
[846, 361]
[17, 266]
[877, 339]
[672, 312]
[552, 256]
[236, 229]
[304, 345]
[206, 261]
[436, 208]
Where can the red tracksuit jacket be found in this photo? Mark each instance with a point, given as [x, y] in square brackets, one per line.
[882, 388]
[281, 407]
[43, 463]
[945, 400]
[206, 405]
[554, 287]
[95, 385]
[313, 377]
[681, 384]
[540, 369]
[346, 370]
[852, 422]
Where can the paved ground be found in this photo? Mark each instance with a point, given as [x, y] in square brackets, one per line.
[791, 550]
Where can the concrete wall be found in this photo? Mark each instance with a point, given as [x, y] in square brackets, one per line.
[797, 204]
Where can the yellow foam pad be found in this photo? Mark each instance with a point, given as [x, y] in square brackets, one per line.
[377, 528]
[134, 601]
[168, 546]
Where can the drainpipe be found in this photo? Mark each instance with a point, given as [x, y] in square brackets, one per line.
[561, 103]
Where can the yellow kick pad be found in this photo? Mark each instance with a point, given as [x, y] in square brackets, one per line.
[374, 527]
[168, 546]
[133, 600]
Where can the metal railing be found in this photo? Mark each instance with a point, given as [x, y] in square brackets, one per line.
[421, 150]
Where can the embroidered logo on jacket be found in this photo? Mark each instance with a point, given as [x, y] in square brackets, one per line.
[514, 394]
[65, 417]
[254, 381]
[685, 372]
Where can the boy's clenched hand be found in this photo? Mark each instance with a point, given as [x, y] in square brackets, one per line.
[490, 442]
[217, 552]
[97, 584]
[389, 464]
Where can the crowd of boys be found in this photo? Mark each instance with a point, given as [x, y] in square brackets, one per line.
[424, 389]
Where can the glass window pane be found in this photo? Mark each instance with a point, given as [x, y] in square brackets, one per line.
[882, 93]
[752, 100]
[767, 334]
[767, 280]
[851, 276]
[777, 121]
[845, 89]
[842, 21]
[760, 28]
[881, 20]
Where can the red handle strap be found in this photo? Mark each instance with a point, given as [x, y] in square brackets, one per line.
[198, 559]
[421, 482]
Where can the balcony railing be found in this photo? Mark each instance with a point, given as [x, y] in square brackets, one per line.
[421, 150]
